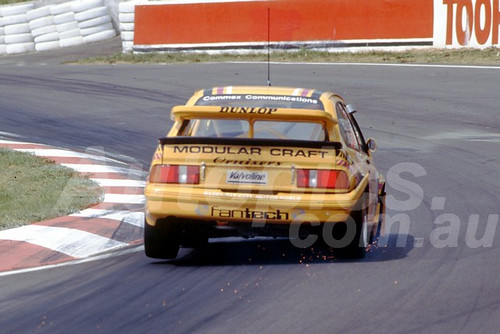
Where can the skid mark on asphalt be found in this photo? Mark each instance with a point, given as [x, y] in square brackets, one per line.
[115, 223]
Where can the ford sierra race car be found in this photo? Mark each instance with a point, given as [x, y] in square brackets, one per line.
[263, 161]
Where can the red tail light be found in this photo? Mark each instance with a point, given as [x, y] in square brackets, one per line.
[322, 178]
[175, 174]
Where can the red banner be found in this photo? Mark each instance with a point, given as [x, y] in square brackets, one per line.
[291, 20]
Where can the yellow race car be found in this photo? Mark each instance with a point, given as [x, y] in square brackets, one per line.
[263, 161]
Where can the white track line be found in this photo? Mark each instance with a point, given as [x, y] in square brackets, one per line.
[119, 183]
[99, 257]
[91, 168]
[14, 142]
[124, 199]
[74, 243]
[129, 217]
[53, 153]
[9, 135]
[373, 64]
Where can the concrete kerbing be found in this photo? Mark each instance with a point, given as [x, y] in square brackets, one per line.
[115, 223]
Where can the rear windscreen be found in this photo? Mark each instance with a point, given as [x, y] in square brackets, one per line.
[229, 128]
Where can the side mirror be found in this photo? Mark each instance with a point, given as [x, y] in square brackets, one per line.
[372, 145]
[350, 109]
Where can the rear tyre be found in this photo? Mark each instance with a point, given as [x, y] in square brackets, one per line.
[353, 235]
[382, 212]
[161, 241]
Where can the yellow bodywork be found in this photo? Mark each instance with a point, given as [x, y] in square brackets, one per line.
[278, 200]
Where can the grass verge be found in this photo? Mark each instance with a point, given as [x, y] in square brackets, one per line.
[489, 56]
[35, 189]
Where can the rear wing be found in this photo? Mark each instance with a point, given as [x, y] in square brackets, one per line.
[250, 142]
[180, 113]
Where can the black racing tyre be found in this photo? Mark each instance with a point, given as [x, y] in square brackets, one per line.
[381, 219]
[357, 248]
[161, 241]
[350, 237]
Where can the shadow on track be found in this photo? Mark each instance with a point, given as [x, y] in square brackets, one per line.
[281, 251]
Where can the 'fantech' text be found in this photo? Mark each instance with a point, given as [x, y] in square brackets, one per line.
[249, 214]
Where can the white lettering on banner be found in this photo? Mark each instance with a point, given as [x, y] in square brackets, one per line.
[471, 23]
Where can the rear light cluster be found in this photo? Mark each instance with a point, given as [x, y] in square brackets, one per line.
[322, 178]
[175, 174]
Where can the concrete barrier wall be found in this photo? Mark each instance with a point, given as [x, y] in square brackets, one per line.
[234, 24]
[198, 24]
[181, 24]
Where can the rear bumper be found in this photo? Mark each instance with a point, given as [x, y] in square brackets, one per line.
[191, 203]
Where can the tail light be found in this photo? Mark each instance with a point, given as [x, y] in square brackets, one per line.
[322, 178]
[174, 174]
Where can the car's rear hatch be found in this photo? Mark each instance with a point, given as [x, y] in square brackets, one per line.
[247, 165]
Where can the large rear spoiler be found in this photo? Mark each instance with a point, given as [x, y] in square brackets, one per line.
[284, 114]
[250, 142]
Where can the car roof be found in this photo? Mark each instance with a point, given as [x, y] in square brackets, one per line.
[264, 90]
[298, 103]
[300, 93]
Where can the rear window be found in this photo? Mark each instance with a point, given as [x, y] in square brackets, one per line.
[289, 130]
[216, 128]
[222, 128]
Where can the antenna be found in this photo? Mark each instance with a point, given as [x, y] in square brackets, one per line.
[268, 46]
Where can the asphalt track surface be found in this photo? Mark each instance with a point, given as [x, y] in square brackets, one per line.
[438, 135]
